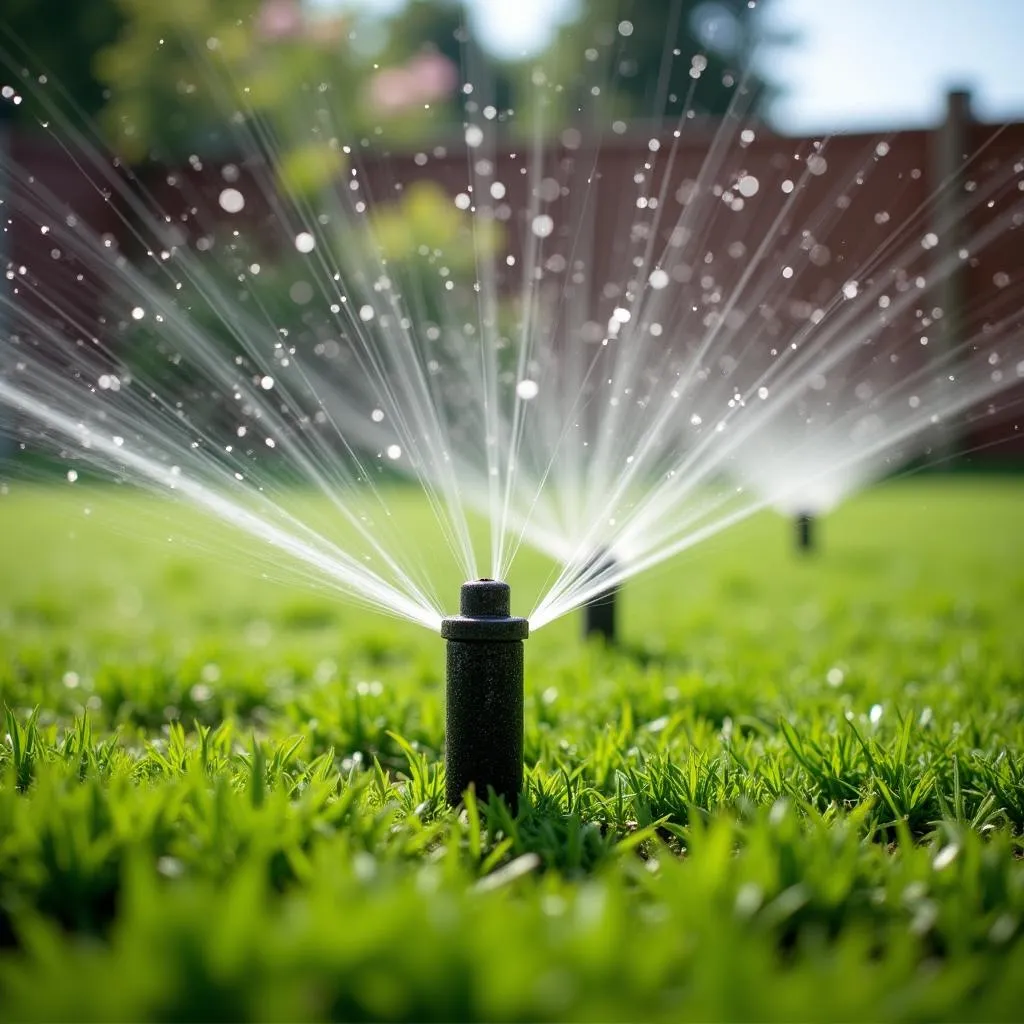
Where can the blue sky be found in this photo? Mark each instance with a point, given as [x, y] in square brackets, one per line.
[858, 63]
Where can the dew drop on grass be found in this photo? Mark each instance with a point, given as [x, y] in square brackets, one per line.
[527, 390]
[138, 313]
[266, 383]
[658, 279]
[72, 476]
[393, 452]
[305, 242]
[474, 136]
[377, 415]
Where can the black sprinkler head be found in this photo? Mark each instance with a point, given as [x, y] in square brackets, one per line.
[599, 612]
[805, 532]
[484, 694]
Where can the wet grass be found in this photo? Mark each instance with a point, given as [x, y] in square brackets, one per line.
[797, 791]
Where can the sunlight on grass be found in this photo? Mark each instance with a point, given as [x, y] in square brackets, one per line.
[796, 791]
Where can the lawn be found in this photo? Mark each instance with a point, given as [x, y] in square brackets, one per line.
[795, 792]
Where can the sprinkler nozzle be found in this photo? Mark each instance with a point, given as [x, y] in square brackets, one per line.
[599, 611]
[805, 532]
[484, 694]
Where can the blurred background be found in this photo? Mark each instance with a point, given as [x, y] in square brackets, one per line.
[826, 66]
[311, 89]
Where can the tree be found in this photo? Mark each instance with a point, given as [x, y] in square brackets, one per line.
[661, 57]
[441, 27]
[59, 38]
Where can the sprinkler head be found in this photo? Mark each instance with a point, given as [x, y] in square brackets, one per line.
[805, 532]
[484, 694]
[599, 612]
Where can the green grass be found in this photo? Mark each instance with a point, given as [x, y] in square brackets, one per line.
[797, 792]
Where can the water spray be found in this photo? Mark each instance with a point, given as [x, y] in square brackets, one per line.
[484, 694]
[805, 532]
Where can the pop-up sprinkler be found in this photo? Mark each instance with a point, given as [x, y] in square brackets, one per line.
[805, 532]
[599, 611]
[484, 694]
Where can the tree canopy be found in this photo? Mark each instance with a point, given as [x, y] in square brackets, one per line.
[170, 79]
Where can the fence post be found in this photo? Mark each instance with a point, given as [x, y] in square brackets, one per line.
[6, 252]
[949, 151]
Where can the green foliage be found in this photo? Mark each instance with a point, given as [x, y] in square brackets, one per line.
[656, 58]
[185, 77]
[65, 57]
[796, 793]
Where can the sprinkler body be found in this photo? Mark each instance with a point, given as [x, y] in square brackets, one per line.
[805, 532]
[599, 613]
[484, 694]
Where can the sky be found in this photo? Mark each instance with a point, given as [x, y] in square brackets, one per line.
[857, 64]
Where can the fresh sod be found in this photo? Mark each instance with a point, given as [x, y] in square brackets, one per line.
[795, 791]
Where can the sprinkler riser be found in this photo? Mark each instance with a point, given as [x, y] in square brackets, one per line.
[599, 613]
[805, 532]
[599, 616]
[484, 695]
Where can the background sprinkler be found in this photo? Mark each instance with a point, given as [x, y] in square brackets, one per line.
[599, 612]
[805, 532]
[484, 694]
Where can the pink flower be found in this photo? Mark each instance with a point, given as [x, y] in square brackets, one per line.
[426, 78]
[280, 19]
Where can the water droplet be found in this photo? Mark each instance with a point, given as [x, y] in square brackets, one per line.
[658, 279]
[393, 452]
[542, 225]
[474, 136]
[231, 200]
[266, 383]
[305, 242]
[72, 476]
[366, 313]
[138, 313]
[527, 390]
[748, 185]
[377, 415]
